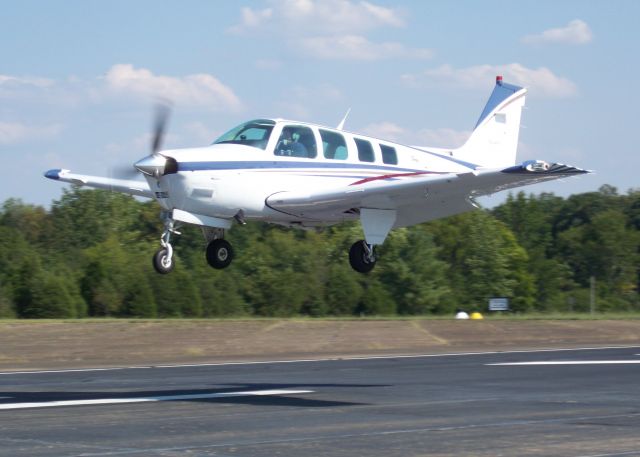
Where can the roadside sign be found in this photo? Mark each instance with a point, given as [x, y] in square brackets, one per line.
[498, 304]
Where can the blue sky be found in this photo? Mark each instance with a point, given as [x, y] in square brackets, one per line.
[78, 78]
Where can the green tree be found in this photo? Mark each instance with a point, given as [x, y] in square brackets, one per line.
[531, 220]
[490, 263]
[607, 249]
[343, 291]
[138, 298]
[85, 217]
[176, 294]
[49, 298]
[413, 274]
[29, 220]
[6, 304]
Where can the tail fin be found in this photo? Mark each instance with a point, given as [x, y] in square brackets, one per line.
[494, 140]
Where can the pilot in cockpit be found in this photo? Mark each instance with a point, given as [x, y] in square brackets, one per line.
[289, 146]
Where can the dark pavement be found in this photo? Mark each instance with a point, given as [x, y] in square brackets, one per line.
[414, 406]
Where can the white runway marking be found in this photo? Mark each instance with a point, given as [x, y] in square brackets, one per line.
[114, 401]
[569, 362]
[326, 359]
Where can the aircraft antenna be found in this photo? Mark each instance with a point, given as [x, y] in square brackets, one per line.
[344, 119]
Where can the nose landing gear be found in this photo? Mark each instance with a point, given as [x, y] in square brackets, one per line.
[219, 252]
[163, 258]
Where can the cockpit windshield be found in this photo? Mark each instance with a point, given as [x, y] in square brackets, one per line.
[253, 133]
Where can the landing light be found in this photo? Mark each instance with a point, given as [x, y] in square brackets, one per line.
[536, 165]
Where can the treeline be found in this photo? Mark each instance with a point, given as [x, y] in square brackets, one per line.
[90, 255]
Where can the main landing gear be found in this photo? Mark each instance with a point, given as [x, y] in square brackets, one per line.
[362, 257]
[219, 252]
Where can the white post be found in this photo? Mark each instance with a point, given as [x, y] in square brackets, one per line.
[592, 295]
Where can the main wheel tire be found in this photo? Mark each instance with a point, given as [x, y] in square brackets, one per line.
[162, 263]
[219, 254]
[359, 259]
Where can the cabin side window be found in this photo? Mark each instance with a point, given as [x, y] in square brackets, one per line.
[389, 155]
[296, 141]
[333, 145]
[365, 150]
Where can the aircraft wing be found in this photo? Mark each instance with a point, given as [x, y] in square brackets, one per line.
[131, 187]
[416, 197]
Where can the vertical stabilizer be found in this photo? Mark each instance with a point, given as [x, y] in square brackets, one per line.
[494, 140]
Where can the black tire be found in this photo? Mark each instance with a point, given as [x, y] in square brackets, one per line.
[358, 258]
[219, 254]
[161, 264]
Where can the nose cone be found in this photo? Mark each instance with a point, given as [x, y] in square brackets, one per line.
[153, 165]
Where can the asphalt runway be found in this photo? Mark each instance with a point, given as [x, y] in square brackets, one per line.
[543, 403]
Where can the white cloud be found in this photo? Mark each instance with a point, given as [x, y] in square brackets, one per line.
[252, 19]
[440, 138]
[541, 80]
[12, 132]
[198, 89]
[318, 16]
[199, 133]
[16, 132]
[25, 80]
[29, 89]
[386, 130]
[299, 102]
[293, 110]
[356, 47]
[575, 32]
[328, 29]
[324, 91]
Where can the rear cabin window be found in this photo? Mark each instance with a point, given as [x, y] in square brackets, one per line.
[365, 150]
[389, 155]
[297, 141]
[333, 145]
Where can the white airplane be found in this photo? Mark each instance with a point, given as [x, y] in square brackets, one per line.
[304, 175]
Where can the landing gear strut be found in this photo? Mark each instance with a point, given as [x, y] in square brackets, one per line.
[163, 258]
[219, 252]
[361, 257]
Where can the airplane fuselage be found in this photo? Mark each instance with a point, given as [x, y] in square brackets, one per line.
[221, 179]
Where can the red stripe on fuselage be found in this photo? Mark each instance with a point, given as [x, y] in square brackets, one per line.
[394, 175]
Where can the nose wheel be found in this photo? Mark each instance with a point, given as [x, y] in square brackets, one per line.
[219, 254]
[163, 261]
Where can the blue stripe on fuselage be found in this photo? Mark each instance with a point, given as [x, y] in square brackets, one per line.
[273, 164]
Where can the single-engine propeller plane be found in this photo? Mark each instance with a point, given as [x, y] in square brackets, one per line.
[303, 175]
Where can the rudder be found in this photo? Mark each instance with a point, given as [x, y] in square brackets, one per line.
[494, 140]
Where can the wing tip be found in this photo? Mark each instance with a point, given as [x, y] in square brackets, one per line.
[53, 174]
[546, 169]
